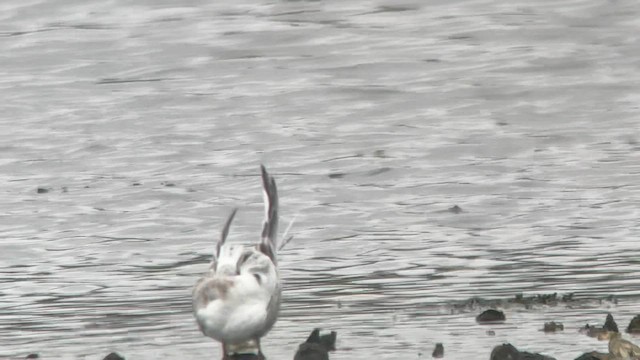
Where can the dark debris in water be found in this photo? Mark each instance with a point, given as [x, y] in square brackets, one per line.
[438, 351]
[46, 189]
[378, 171]
[396, 8]
[543, 299]
[553, 327]
[379, 153]
[124, 81]
[455, 209]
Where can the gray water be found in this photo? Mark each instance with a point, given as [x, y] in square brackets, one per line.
[147, 120]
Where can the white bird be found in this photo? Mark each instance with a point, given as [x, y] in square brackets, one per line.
[238, 300]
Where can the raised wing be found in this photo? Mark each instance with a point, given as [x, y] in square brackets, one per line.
[268, 242]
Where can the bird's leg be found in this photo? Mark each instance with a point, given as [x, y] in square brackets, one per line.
[260, 354]
[224, 352]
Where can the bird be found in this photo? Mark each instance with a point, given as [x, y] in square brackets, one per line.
[620, 348]
[237, 301]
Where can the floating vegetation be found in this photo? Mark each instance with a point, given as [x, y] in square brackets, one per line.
[529, 302]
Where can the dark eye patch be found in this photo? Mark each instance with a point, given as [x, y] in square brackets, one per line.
[258, 278]
[243, 258]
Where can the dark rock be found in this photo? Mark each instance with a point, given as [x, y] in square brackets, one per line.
[336, 175]
[553, 327]
[505, 352]
[594, 355]
[245, 357]
[311, 351]
[601, 333]
[534, 356]
[113, 356]
[33, 356]
[509, 352]
[438, 352]
[42, 190]
[455, 209]
[316, 347]
[610, 324]
[592, 330]
[490, 315]
[634, 325]
[328, 341]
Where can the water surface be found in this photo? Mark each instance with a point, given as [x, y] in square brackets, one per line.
[145, 122]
